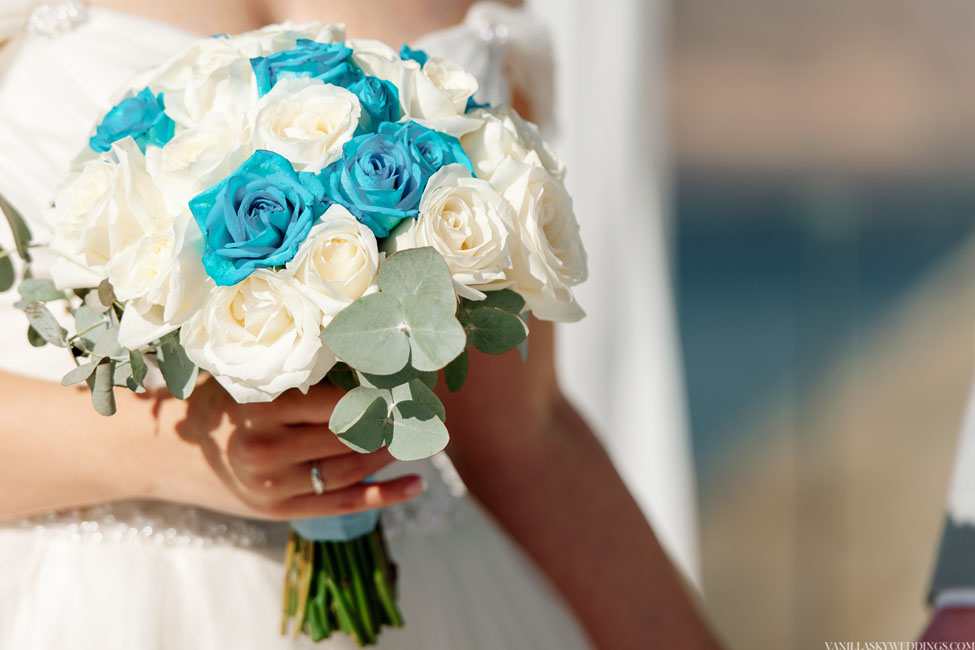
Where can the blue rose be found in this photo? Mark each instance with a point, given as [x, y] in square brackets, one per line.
[407, 53]
[256, 217]
[473, 105]
[379, 100]
[429, 148]
[142, 117]
[381, 177]
[308, 59]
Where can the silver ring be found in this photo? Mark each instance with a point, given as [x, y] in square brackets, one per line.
[317, 482]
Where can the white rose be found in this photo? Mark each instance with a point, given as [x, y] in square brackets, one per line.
[550, 258]
[284, 36]
[434, 95]
[376, 58]
[104, 206]
[198, 157]
[306, 121]
[451, 80]
[161, 280]
[337, 263]
[469, 224]
[504, 134]
[259, 337]
[212, 75]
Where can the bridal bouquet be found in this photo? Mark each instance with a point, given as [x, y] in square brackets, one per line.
[285, 206]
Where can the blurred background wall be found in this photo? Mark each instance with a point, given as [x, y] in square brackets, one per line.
[823, 209]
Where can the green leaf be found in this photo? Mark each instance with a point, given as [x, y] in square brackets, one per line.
[103, 388]
[417, 432]
[408, 373]
[6, 271]
[80, 374]
[89, 325]
[435, 335]
[455, 373]
[361, 419]
[34, 338]
[353, 405]
[177, 369]
[93, 302]
[429, 378]
[40, 290]
[495, 331]
[343, 376]
[18, 226]
[139, 370]
[418, 272]
[107, 345]
[45, 324]
[417, 391]
[505, 299]
[106, 294]
[370, 335]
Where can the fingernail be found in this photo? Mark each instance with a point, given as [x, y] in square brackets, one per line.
[415, 488]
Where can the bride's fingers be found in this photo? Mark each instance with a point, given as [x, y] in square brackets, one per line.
[315, 407]
[264, 452]
[348, 500]
[337, 472]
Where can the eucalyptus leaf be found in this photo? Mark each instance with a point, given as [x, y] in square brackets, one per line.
[123, 374]
[505, 299]
[139, 370]
[107, 345]
[89, 325]
[45, 324]
[418, 272]
[93, 302]
[106, 294]
[495, 330]
[455, 373]
[417, 391]
[177, 369]
[408, 373]
[39, 289]
[102, 387]
[436, 337]
[7, 276]
[35, 339]
[80, 373]
[369, 335]
[343, 376]
[354, 404]
[18, 226]
[429, 378]
[372, 430]
[417, 432]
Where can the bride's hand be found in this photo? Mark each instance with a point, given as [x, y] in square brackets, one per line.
[255, 460]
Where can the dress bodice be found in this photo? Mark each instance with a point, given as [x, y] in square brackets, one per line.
[61, 68]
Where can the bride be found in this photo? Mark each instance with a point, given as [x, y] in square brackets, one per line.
[163, 526]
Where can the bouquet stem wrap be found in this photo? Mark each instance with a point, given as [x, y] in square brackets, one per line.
[339, 576]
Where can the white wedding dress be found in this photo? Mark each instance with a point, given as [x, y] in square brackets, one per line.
[150, 575]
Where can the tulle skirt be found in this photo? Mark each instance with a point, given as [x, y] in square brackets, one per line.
[462, 586]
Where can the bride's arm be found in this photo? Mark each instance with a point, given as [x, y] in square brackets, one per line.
[530, 459]
[251, 460]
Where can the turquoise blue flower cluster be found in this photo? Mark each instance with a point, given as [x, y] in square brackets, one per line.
[141, 117]
[381, 176]
[260, 214]
[256, 217]
[331, 63]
